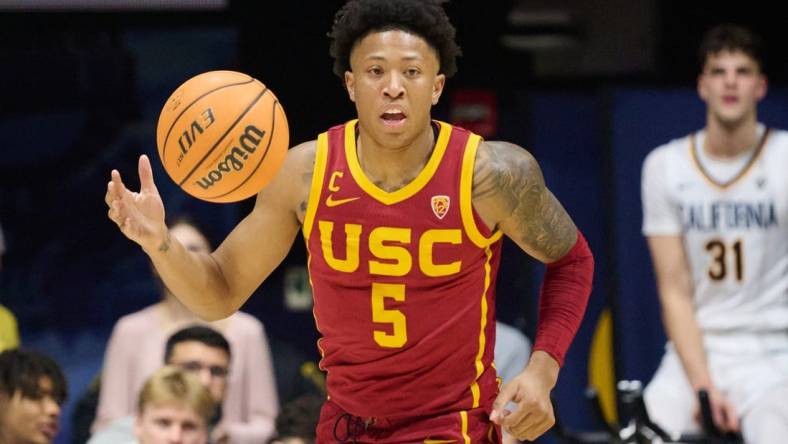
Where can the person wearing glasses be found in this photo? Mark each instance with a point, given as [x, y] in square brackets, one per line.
[204, 352]
[201, 352]
[138, 348]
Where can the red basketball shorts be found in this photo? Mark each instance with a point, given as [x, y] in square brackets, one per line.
[464, 427]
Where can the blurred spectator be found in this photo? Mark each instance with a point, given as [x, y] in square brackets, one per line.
[173, 408]
[85, 412]
[137, 346]
[206, 353]
[297, 423]
[201, 351]
[296, 373]
[512, 350]
[32, 390]
[9, 334]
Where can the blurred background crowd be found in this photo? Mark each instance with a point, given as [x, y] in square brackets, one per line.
[588, 87]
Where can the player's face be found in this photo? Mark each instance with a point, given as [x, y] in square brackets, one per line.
[394, 83]
[210, 364]
[30, 420]
[170, 424]
[731, 84]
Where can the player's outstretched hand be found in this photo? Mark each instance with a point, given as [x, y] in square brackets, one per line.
[530, 390]
[139, 215]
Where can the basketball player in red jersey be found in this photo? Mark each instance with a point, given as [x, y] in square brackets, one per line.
[403, 218]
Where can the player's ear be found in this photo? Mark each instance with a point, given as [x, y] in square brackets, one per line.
[763, 86]
[349, 85]
[437, 88]
[702, 90]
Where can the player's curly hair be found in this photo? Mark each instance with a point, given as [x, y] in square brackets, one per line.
[731, 37]
[424, 18]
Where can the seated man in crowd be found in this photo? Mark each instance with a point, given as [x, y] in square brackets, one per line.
[137, 348]
[173, 408]
[297, 422]
[32, 390]
[197, 350]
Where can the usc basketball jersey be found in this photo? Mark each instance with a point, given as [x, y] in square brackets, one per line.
[403, 281]
[732, 215]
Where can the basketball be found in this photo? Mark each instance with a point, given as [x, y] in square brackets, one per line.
[222, 136]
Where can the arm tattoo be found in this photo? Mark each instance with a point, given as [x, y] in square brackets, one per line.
[394, 187]
[306, 179]
[509, 178]
[165, 245]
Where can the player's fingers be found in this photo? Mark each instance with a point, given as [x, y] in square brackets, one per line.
[109, 196]
[534, 429]
[730, 417]
[517, 422]
[124, 223]
[520, 415]
[530, 416]
[113, 193]
[146, 175]
[504, 397]
[718, 416]
[114, 213]
[119, 188]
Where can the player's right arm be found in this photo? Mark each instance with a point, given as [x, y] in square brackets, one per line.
[674, 285]
[215, 285]
[662, 226]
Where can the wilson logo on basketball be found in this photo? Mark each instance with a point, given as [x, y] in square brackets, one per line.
[236, 158]
[440, 205]
[189, 136]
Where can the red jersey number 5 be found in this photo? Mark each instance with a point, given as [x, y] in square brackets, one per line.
[380, 315]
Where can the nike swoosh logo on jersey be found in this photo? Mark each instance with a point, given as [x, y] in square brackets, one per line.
[330, 202]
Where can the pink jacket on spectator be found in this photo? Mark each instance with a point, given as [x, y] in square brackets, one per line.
[136, 350]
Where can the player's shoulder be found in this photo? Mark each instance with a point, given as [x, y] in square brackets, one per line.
[294, 176]
[302, 155]
[674, 148]
[499, 156]
[775, 150]
[778, 138]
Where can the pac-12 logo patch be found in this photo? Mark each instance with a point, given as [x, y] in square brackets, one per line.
[440, 205]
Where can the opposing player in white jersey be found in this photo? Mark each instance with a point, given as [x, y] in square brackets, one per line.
[715, 207]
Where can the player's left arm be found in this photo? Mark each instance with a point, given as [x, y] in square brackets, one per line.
[509, 194]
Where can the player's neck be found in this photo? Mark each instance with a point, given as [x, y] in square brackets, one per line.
[392, 167]
[724, 140]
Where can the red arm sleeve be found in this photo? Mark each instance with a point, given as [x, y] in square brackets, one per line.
[563, 299]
